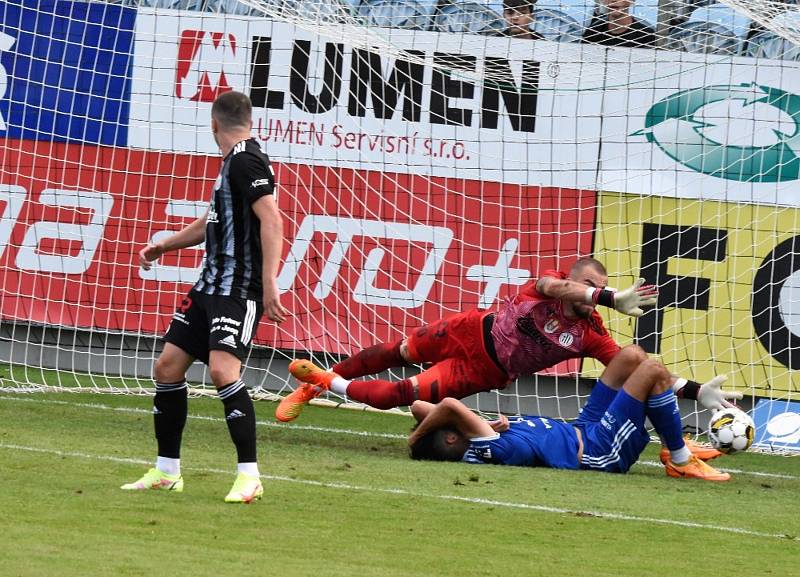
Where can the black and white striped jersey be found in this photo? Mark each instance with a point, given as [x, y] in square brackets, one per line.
[233, 262]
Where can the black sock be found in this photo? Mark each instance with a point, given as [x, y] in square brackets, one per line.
[240, 414]
[170, 407]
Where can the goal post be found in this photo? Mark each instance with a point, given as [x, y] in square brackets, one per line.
[422, 170]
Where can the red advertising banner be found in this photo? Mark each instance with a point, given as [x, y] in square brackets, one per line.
[368, 255]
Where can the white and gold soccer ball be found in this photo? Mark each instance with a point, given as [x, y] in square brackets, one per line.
[731, 430]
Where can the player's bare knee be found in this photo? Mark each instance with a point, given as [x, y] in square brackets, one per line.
[632, 355]
[224, 368]
[657, 375]
[168, 370]
[450, 402]
[622, 366]
[221, 376]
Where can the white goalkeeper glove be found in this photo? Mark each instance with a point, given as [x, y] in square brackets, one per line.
[712, 397]
[630, 300]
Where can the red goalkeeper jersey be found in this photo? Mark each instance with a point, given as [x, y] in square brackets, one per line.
[531, 333]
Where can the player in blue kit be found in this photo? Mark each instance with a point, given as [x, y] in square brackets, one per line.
[609, 435]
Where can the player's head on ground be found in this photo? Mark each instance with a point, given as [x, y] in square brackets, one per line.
[592, 273]
[443, 444]
[231, 112]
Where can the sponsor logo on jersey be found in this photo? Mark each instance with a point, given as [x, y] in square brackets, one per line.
[212, 215]
[565, 339]
[260, 182]
[199, 72]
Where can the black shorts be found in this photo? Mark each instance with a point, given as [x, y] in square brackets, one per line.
[204, 323]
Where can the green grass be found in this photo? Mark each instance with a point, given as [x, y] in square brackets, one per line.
[338, 503]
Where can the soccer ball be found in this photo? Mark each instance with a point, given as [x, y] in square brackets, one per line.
[731, 430]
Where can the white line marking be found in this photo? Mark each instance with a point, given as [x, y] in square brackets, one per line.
[99, 406]
[314, 428]
[457, 498]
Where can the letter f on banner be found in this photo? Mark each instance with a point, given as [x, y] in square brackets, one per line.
[660, 243]
[6, 42]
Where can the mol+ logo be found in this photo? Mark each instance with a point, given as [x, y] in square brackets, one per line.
[199, 74]
[677, 126]
[6, 42]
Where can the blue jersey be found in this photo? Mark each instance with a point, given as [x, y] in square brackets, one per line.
[529, 442]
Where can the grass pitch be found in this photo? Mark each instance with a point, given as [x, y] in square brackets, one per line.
[343, 499]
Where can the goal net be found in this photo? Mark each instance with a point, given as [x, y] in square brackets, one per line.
[431, 157]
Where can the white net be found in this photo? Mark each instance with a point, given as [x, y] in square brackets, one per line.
[431, 157]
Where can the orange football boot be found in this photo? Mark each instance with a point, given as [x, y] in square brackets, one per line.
[292, 404]
[701, 451]
[307, 372]
[695, 469]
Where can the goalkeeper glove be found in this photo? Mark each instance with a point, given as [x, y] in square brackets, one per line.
[712, 397]
[628, 301]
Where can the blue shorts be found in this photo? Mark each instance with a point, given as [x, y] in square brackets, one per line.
[614, 435]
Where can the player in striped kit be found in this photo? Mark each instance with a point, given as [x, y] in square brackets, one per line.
[609, 435]
[243, 234]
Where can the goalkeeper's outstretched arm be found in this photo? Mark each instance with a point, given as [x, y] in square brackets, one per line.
[710, 394]
[623, 363]
[629, 301]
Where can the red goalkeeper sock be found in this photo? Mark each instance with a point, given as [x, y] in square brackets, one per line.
[387, 395]
[370, 361]
[382, 394]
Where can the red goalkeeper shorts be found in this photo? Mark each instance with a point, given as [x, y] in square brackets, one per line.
[461, 364]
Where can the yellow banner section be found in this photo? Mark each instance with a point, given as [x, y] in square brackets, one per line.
[728, 302]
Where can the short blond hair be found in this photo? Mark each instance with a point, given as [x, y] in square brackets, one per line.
[585, 261]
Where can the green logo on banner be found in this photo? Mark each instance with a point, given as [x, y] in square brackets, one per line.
[687, 143]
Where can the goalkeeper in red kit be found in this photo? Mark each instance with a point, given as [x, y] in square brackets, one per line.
[551, 320]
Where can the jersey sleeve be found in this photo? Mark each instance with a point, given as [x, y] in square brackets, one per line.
[485, 450]
[251, 176]
[529, 291]
[602, 347]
